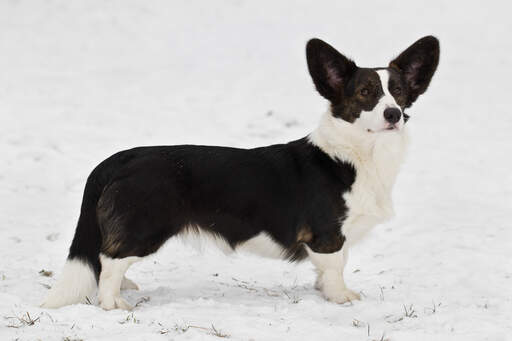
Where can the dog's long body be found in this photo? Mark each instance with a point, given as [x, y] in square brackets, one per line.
[313, 197]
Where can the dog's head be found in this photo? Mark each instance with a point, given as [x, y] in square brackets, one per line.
[372, 99]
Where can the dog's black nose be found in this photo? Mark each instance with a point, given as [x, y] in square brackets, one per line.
[392, 115]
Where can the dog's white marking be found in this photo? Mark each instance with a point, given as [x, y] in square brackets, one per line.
[262, 245]
[374, 120]
[377, 158]
[330, 279]
[111, 279]
[76, 284]
[201, 239]
[387, 100]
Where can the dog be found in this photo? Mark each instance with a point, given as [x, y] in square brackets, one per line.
[310, 198]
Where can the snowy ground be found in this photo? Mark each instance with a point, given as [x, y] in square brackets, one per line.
[80, 80]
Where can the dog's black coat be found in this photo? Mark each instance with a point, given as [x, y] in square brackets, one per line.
[137, 199]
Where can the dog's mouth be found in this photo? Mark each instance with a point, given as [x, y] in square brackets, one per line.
[391, 127]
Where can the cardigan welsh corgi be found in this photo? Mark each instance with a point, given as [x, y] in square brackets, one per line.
[310, 198]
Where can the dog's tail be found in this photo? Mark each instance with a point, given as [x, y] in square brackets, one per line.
[80, 275]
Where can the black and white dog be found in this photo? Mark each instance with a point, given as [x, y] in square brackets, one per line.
[313, 197]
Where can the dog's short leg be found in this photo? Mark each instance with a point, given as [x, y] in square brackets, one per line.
[111, 278]
[330, 280]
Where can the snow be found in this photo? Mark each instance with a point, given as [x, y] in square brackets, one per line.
[81, 80]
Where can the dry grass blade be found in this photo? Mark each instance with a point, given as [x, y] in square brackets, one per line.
[143, 299]
[410, 312]
[358, 324]
[46, 273]
[212, 330]
[21, 321]
[382, 338]
[218, 333]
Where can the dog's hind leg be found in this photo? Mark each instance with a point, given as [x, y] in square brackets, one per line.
[111, 279]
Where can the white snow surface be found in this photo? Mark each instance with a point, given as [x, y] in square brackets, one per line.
[80, 80]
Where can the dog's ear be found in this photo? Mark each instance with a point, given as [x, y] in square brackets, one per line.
[329, 69]
[417, 65]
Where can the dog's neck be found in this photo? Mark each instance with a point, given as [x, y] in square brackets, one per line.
[381, 152]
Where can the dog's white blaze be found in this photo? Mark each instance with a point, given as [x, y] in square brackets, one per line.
[76, 284]
[111, 279]
[387, 100]
[374, 119]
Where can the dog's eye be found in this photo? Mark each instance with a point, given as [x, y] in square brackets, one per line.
[364, 92]
[397, 90]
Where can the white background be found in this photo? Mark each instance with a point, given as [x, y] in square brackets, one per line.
[80, 80]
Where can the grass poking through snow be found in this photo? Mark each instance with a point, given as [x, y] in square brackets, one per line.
[21, 321]
[212, 330]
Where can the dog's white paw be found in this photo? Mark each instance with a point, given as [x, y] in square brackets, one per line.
[342, 295]
[114, 302]
[334, 289]
[128, 284]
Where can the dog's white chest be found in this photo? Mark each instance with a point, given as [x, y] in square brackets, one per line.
[376, 158]
[369, 200]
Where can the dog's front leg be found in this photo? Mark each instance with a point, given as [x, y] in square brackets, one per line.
[330, 280]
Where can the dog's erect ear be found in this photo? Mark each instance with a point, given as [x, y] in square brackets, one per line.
[329, 69]
[418, 64]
